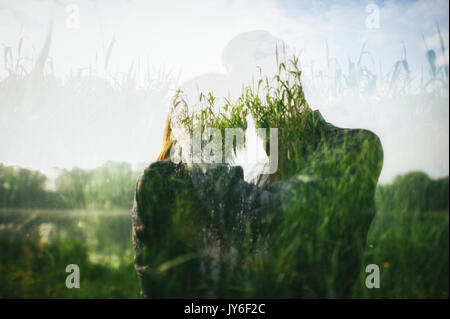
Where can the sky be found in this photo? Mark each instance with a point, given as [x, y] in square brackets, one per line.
[188, 38]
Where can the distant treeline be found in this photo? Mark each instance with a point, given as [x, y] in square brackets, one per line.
[112, 186]
[109, 186]
[414, 191]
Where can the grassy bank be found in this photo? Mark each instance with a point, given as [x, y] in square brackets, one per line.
[36, 246]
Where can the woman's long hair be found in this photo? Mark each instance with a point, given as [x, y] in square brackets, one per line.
[167, 141]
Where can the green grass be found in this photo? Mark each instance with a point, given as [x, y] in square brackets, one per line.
[278, 102]
[99, 243]
[314, 245]
[411, 250]
[316, 248]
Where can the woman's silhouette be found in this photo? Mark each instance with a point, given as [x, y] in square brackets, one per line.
[188, 219]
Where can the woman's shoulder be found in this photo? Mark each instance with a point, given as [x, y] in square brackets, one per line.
[159, 170]
[351, 137]
[358, 147]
